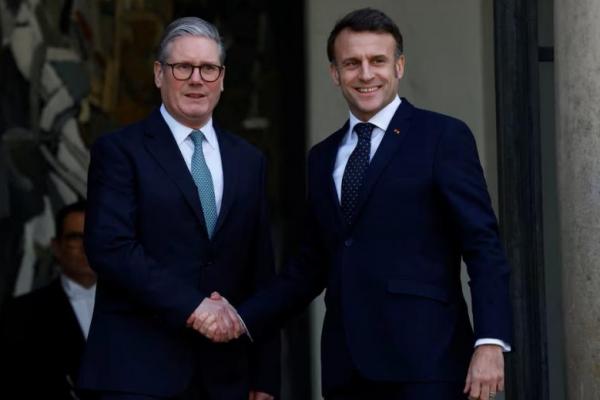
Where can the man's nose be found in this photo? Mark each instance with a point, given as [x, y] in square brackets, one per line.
[196, 77]
[366, 72]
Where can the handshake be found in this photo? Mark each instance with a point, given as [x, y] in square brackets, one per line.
[216, 319]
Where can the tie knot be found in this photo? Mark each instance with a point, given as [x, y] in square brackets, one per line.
[197, 137]
[363, 130]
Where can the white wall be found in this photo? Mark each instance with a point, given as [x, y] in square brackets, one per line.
[449, 69]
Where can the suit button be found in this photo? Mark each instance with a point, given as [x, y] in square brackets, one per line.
[348, 242]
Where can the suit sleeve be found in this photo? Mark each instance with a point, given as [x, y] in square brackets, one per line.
[461, 182]
[265, 356]
[112, 242]
[302, 279]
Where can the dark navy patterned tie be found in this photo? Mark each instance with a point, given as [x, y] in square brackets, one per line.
[204, 183]
[355, 171]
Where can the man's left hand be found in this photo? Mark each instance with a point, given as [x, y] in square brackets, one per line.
[254, 395]
[486, 373]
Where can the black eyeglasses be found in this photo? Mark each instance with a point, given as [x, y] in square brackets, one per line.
[184, 71]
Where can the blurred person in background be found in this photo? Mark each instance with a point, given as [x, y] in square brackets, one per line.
[44, 331]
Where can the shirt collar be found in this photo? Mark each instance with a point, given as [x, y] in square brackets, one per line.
[74, 290]
[181, 132]
[382, 119]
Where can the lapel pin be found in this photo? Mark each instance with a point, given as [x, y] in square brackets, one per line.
[396, 131]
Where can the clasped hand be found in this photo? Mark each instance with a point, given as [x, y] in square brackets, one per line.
[216, 319]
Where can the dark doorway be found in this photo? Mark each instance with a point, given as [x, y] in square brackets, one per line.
[520, 191]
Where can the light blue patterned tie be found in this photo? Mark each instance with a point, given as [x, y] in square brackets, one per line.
[204, 183]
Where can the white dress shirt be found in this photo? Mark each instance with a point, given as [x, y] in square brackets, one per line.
[82, 301]
[212, 156]
[381, 120]
[210, 148]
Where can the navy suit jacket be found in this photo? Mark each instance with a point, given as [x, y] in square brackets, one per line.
[42, 344]
[395, 308]
[145, 236]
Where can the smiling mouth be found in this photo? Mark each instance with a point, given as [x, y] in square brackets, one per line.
[368, 90]
[195, 95]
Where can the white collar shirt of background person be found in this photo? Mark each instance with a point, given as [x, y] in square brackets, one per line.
[82, 302]
[381, 120]
[210, 148]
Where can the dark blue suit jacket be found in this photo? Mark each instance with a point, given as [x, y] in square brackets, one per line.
[395, 308]
[41, 344]
[146, 238]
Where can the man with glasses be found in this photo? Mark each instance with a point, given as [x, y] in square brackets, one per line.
[43, 332]
[177, 211]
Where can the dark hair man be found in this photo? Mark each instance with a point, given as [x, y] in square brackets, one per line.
[396, 198]
[44, 331]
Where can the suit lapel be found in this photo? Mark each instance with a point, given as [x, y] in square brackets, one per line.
[161, 144]
[392, 139]
[228, 151]
[330, 156]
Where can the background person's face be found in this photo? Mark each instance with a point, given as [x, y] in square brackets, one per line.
[69, 252]
[190, 102]
[366, 70]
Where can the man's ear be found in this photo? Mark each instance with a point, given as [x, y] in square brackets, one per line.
[158, 74]
[55, 247]
[223, 79]
[335, 74]
[399, 66]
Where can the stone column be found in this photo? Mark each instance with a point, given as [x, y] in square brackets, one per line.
[577, 79]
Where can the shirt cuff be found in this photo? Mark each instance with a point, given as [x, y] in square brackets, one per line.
[505, 346]
[244, 327]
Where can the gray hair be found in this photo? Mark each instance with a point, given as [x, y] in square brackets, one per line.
[189, 26]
